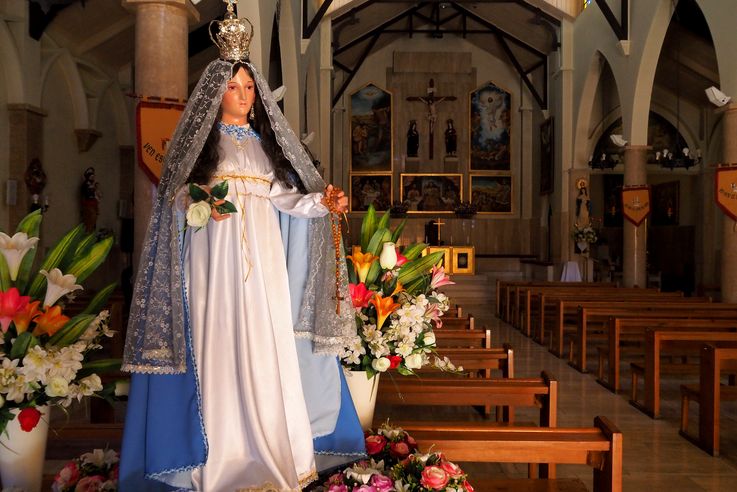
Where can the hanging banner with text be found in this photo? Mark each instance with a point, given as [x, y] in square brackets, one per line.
[726, 191]
[636, 203]
[155, 123]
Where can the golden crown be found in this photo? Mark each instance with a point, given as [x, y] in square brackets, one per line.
[233, 36]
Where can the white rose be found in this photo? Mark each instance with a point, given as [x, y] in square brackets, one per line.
[381, 364]
[57, 386]
[198, 214]
[2, 401]
[429, 338]
[413, 361]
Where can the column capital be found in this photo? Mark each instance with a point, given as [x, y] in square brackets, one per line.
[193, 14]
[637, 148]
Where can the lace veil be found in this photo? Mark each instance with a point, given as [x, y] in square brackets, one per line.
[157, 327]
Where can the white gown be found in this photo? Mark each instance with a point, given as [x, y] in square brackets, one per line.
[255, 417]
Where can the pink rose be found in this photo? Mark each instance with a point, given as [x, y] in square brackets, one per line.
[399, 450]
[434, 477]
[382, 483]
[375, 444]
[451, 469]
[364, 488]
[67, 475]
[336, 479]
[411, 442]
[90, 484]
[338, 488]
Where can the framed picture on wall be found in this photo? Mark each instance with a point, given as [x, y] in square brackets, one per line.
[366, 189]
[490, 124]
[492, 194]
[463, 262]
[371, 130]
[547, 157]
[431, 193]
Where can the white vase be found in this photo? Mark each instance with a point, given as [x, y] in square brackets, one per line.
[363, 393]
[22, 454]
[582, 246]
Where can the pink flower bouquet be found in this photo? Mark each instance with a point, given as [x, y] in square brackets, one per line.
[91, 472]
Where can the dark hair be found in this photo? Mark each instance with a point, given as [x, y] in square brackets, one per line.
[207, 161]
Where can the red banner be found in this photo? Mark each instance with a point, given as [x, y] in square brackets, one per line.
[636, 204]
[726, 190]
[155, 123]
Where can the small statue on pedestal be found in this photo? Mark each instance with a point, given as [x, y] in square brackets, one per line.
[35, 179]
[90, 203]
[413, 139]
[451, 139]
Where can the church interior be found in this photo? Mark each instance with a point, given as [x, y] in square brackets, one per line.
[575, 161]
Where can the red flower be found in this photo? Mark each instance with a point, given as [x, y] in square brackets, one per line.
[90, 484]
[434, 477]
[394, 361]
[452, 469]
[10, 303]
[467, 486]
[360, 295]
[375, 444]
[399, 450]
[411, 442]
[28, 418]
[401, 259]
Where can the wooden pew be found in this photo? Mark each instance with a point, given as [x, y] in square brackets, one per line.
[591, 313]
[655, 342]
[715, 357]
[522, 299]
[539, 392]
[633, 329]
[463, 338]
[454, 312]
[480, 362]
[468, 323]
[599, 447]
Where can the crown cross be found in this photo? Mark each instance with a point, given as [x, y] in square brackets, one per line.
[233, 36]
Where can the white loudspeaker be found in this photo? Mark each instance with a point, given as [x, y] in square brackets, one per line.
[717, 97]
[11, 192]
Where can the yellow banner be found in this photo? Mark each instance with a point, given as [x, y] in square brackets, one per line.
[156, 123]
[636, 203]
[726, 191]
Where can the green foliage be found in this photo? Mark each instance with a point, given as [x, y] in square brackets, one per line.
[220, 190]
[419, 267]
[99, 302]
[83, 267]
[197, 193]
[31, 225]
[414, 250]
[368, 227]
[22, 345]
[65, 248]
[72, 330]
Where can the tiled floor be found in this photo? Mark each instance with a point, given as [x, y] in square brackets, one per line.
[656, 458]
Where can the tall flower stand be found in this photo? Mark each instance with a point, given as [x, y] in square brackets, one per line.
[363, 393]
[22, 454]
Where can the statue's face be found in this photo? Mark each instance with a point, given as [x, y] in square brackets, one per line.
[238, 98]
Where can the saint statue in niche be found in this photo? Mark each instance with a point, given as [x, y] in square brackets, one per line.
[451, 139]
[583, 205]
[413, 139]
[35, 179]
[90, 204]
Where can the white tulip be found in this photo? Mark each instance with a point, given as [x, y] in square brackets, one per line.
[388, 257]
[381, 364]
[198, 214]
[429, 338]
[57, 285]
[57, 386]
[414, 361]
[14, 249]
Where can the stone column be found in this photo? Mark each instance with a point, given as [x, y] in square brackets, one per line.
[161, 70]
[635, 238]
[729, 237]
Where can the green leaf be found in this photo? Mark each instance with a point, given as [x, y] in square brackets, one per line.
[22, 344]
[220, 190]
[5, 282]
[197, 193]
[31, 225]
[418, 267]
[64, 249]
[368, 227]
[414, 250]
[377, 241]
[99, 302]
[226, 208]
[418, 285]
[404, 371]
[83, 248]
[72, 330]
[398, 231]
[84, 266]
[100, 366]
[352, 277]
[384, 222]
[373, 273]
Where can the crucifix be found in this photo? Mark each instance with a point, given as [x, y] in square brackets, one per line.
[431, 100]
[439, 222]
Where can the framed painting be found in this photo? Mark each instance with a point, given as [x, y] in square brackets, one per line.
[371, 130]
[491, 194]
[463, 262]
[547, 157]
[431, 193]
[666, 201]
[490, 128]
[366, 189]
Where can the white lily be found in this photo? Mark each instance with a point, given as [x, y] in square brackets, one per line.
[14, 249]
[57, 285]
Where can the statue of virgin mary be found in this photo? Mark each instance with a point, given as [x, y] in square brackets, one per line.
[231, 390]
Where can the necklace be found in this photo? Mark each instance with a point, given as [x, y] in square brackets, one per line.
[238, 132]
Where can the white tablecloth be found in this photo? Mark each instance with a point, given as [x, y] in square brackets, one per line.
[571, 273]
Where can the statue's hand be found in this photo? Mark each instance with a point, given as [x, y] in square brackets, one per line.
[335, 199]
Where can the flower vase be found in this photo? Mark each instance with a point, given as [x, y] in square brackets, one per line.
[582, 246]
[22, 454]
[363, 393]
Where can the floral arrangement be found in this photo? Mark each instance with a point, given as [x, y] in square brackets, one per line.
[585, 234]
[389, 444]
[96, 471]
[208, 202]
[43, 351]
[394, 292]
[465, 210]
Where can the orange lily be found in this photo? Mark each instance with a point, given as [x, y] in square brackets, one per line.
[24, 317]
[399, 288]
[362, 263]
[50, 321]
[384, 307]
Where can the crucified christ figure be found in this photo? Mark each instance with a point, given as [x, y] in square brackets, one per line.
[432, 101]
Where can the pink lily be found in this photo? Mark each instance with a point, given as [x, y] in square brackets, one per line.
[401, 259]
[433, 312]
[439, 278]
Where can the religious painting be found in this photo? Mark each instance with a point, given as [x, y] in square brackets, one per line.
[431, 193]
[613, 184]
[666, 200]
[371, 130]
[490, 128]
[366, 189]
[463, 262]
[491, 194]
[547, 158]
